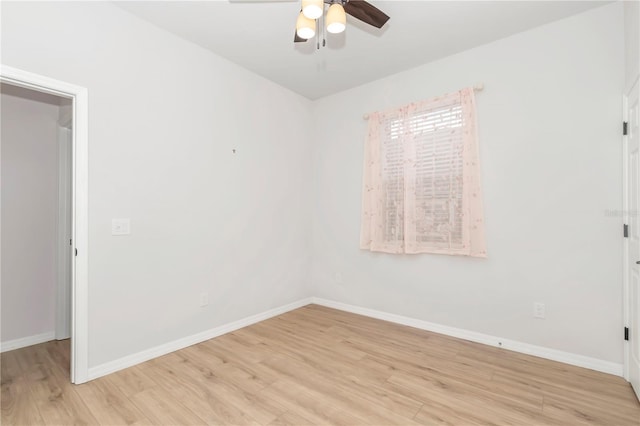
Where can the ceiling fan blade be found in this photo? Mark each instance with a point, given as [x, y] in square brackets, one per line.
[366, 12]
[297, 39]
[261, 1]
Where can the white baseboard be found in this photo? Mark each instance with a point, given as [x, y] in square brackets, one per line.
[23, 342]
[512, 345]
[146, 355]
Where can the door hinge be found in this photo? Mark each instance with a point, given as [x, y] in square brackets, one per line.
[626, 333]
[70, 242]
[625, 231]
[624, 128]
[76, 252]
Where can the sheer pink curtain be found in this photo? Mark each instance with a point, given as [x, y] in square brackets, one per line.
[421, 184]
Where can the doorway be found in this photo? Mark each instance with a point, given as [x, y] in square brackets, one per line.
[69, 221]
[36, 217]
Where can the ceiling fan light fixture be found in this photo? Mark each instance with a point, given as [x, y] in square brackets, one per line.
[305, 27]
[336, 19]
[312, 9]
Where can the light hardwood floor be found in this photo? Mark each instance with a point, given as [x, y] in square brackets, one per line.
[317, 366]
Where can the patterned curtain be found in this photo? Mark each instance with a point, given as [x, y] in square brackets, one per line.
[421, 185]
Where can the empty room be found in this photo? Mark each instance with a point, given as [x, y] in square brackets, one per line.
[318, 212]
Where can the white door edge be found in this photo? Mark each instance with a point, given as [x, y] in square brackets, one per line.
[63, 252]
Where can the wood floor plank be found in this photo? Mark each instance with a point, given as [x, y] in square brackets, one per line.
[318, 408]
[130, 381]
[360, 401]
[234, 387]
[385, 395]
[68, 396]
[54, 397]
[569, 412]
[199, 397]
[162, 408]
[17, 403]
[451, 392]
[586, 393]
[206, 394]
[290, 419]
[434, 413]
[109, 405]
[316, 365]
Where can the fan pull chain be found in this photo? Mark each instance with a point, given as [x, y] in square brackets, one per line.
[324, 30]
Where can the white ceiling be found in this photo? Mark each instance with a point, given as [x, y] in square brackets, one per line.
[258, 35]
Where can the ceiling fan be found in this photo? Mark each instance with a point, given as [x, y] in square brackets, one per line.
[314, 16]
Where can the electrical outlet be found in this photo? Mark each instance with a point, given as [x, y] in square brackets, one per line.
[204, 299]
[539, 310]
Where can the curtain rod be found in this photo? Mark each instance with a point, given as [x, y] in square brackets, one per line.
[478, 87]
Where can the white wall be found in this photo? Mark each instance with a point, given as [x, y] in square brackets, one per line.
[631, 42]
[549, 121]
[29, 169]
[164, 116]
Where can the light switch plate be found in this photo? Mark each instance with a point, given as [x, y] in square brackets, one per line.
[120, 226]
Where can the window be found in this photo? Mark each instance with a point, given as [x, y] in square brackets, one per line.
[421, 191]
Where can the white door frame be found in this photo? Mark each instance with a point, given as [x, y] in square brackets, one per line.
[79, 207]
[625, 247]
[625, 241]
